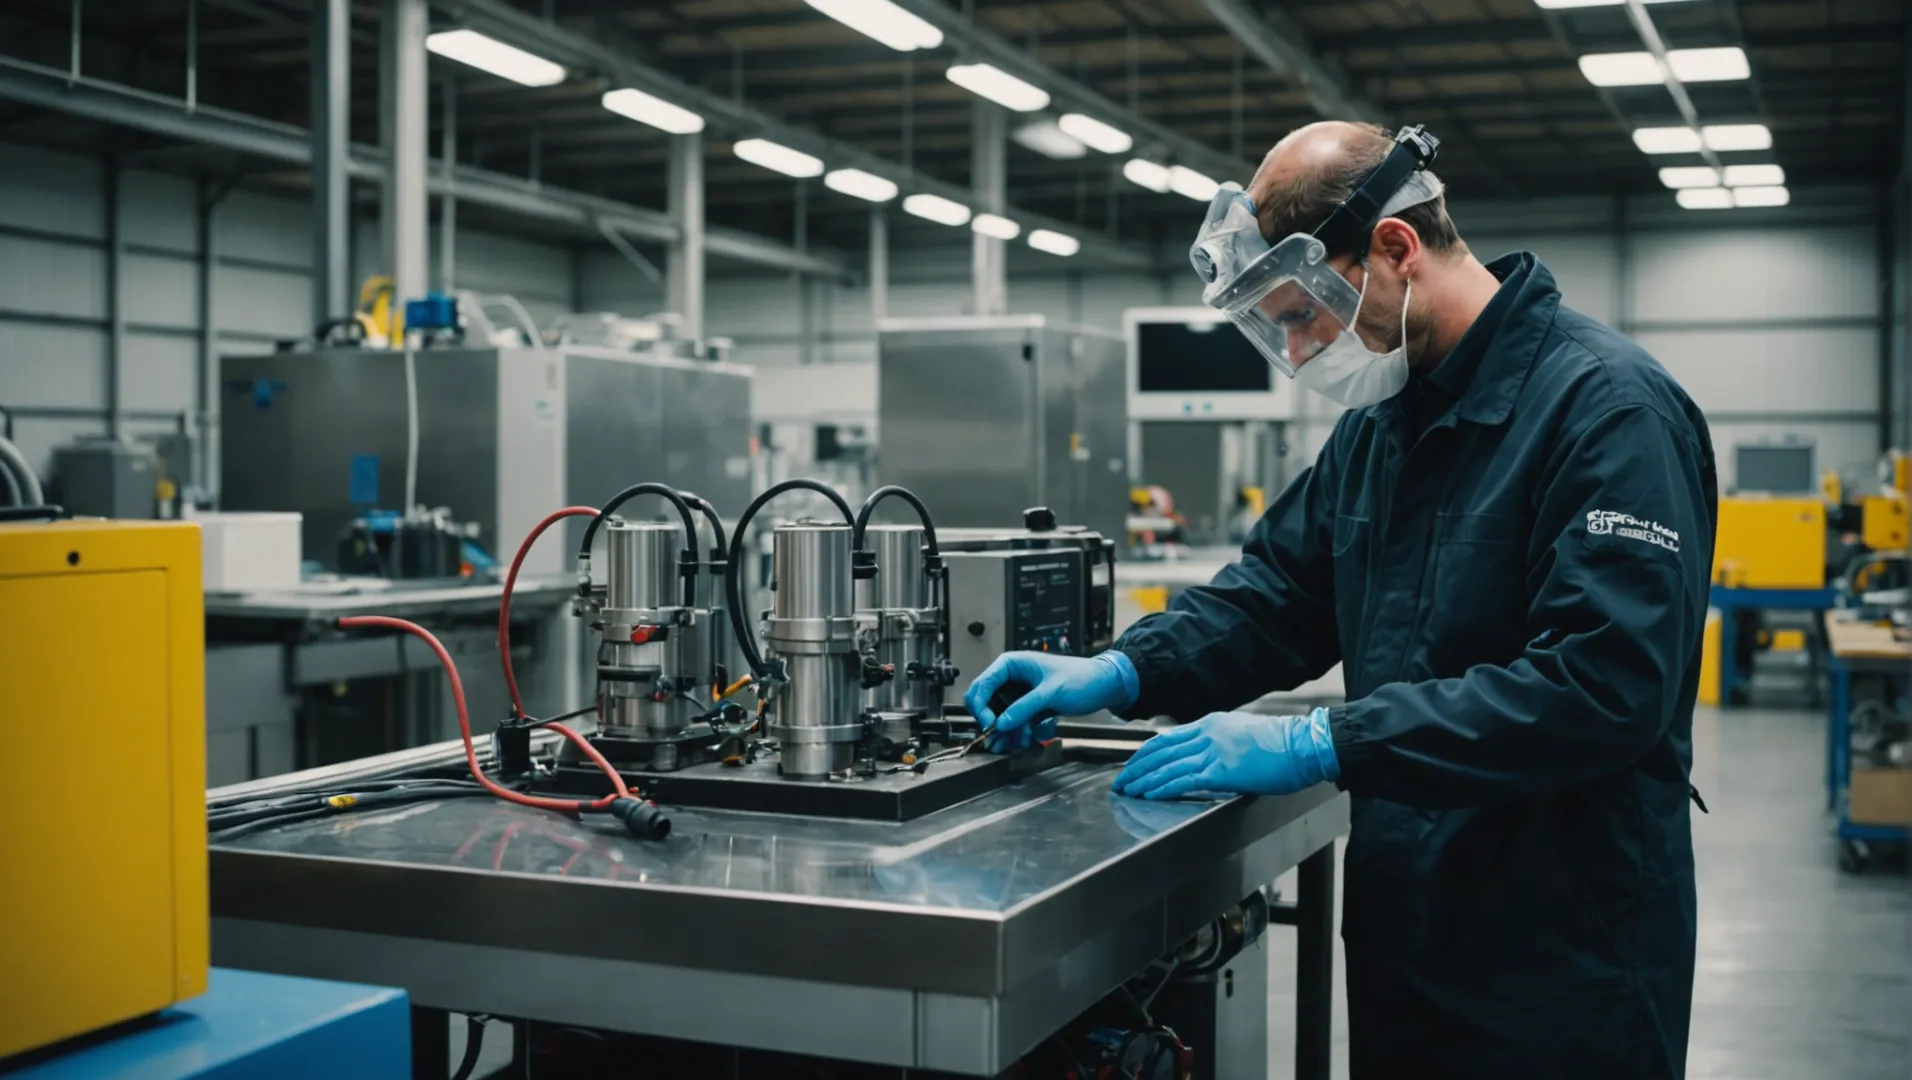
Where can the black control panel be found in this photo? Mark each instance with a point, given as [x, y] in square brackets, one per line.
[1045, 602]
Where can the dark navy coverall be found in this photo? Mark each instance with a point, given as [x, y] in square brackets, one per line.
[1511, 560]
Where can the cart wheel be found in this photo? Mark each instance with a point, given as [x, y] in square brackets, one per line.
[1854, 856]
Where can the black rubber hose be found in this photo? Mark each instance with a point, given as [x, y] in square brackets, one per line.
[683, 511]
[908, 496]
[702, 506]
[32, 513]
[15, 497]
[474, 1044]
[746, 640]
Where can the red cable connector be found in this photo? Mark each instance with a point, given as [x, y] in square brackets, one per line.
[511, 582]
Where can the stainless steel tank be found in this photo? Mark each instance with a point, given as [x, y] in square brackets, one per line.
[897, 610]
[812, 629]
[653, 654]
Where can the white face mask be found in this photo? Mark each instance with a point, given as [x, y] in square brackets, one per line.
[1348, 372]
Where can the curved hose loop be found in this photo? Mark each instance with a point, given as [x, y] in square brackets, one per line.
[703, 506]
[687, 564]
[746, 640]
[922, 512]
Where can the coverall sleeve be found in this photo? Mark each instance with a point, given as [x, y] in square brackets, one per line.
[1265, 623]
[1618, 572]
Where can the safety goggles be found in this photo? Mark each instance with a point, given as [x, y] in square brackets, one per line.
[1285, 297]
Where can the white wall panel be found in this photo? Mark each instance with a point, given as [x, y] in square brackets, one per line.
[37, 436]
[159, 210]
[503, 264]
[52, 365]
[160, 371]
[264, 227]
[612, 284]
[815, 392]
[1752, 276]
[1841, 446]
[52, 192]
[160, 290]
[1773, 370]
[262, 301]
[52, 277]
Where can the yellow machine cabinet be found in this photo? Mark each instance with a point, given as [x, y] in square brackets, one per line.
[1883, 522]
[1770, 543]
[103, 792]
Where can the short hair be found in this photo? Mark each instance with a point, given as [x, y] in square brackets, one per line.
[1301, 203]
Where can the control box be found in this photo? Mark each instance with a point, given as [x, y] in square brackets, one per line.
[1000, 601]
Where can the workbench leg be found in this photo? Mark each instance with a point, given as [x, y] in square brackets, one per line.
[1314, 966]
[431, 1043]
[1838, 713]
[1728, 669]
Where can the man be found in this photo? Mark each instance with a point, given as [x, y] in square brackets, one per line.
[1506, 544]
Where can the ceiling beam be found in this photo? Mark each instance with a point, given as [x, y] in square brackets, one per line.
[507, 23]
[977, 43]
[120, 106]
[1281, 44]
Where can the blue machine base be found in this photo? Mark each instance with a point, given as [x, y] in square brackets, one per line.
[1876, 834]
[250, 1025]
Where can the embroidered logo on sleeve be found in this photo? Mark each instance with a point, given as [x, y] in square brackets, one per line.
[1614, 523]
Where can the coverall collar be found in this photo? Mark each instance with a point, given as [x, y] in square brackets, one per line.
[1489, 365]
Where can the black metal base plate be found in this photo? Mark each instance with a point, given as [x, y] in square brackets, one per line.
[887, 796]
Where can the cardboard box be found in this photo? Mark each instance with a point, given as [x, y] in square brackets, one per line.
[1880, 796]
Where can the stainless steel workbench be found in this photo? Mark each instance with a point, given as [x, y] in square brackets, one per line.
[954, 942]
[271, 655]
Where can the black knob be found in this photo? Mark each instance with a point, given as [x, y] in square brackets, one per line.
[1039, 519]
[976, 629]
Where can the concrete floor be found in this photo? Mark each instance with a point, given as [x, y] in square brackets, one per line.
[1803, 971]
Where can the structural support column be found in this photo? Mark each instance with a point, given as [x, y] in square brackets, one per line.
[404, 131]
[331, 148]
[208, 396]
[448, 202]
[115, 304]
[879, 265]
[988, 176]
[684, 271]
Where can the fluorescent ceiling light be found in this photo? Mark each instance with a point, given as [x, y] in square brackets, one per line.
[1709, 65]
[1667, 140]
[861, 185]
[1737, 137]
[1054, 243]
[1768, 195]
[996, 227]
[1563, 5]
[992, 82]
[1622, 69]
[779, 158]
[1754, 175]
[1709, 198]
[883, 21]
[490, 54]
[1097, 134]
[1148, 174]
[1047, 138]
[1186, 181]
[938, 209]
[658, 113]
[1690, 176]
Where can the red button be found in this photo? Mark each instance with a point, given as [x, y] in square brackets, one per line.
[642, 634]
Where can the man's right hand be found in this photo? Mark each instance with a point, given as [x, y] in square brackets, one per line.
[1055, 685]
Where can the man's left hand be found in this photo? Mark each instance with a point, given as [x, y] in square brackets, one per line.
[1233, 753]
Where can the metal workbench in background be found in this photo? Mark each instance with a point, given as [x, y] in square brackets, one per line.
[285, 691]
[955, 942]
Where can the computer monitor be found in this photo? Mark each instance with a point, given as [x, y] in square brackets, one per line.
[1788, 468]
[1189, 363]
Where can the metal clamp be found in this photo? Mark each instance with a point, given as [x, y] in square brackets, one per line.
[791, 735]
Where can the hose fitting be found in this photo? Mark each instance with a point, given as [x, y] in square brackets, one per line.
[644, 820]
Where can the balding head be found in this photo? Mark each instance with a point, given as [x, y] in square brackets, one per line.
[1314, 169]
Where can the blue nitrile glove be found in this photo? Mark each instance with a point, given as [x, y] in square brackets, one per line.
[1233, 752]
[1059, 686]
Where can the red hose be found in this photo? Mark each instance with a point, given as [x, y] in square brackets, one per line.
[562, 806]
[504, 604]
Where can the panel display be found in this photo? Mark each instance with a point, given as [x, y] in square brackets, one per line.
[1179, 358]
[1045, 603]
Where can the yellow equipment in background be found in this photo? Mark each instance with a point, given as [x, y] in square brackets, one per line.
[103, 892]
[1770, 543]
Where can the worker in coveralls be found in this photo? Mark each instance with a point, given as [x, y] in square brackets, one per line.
[1506, 544]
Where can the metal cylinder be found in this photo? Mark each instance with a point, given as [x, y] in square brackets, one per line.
[897, 600]
[812, 628]
[654, 688]
[643, 564]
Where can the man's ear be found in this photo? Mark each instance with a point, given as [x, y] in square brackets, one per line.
[1395, 243]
